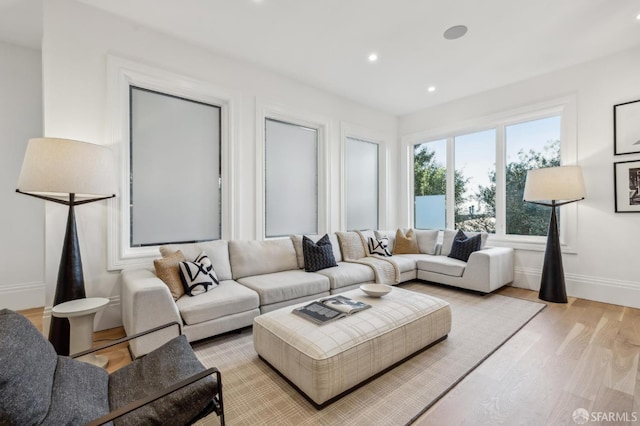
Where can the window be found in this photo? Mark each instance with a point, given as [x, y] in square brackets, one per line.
[529, 145]
[430, 184]
[361, 172]
[475, 168]
[291, 179]
[174, 141]
[478, 186]
[175, 169]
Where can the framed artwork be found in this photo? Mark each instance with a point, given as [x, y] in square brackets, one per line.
[626, 128]
[626, 181]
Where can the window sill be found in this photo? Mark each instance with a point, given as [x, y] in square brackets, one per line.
[525, 243]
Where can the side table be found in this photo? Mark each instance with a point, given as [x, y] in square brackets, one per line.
[81, 313]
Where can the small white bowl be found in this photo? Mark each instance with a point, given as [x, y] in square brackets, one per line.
[375, 290]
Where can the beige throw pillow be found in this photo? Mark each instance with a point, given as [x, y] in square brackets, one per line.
[406, 243]
[168, 270]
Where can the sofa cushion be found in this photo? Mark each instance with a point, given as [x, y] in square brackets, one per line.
[227, 298]
[168, 270]
[217, 251]
[406, 262]
[406, 242]
[448, 235]
[389, 235]
[198, 276]
[80, 393]
[351, 245]
[427, 239]
[442, 265]
[297, 244]
[378, 246]
[348, 274]
[286, 285]
[27, 366]
[317, 255]
[249, 258]
[463, 246]
[172, 362]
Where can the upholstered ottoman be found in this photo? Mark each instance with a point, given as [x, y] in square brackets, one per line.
[325, 361]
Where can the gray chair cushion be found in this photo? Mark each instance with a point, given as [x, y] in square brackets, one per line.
[172, 362]
[80, 393]
[27, 365]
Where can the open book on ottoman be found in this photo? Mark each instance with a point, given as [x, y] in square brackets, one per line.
[330, 309]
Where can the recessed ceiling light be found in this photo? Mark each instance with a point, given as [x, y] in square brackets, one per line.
[455, 32]
[431, 89]
[373, 57]
[638, 17]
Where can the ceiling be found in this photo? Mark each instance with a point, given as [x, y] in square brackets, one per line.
[326, 43]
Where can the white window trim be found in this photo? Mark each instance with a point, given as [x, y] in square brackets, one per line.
[565, 106]
[122, 73]
[269, 109]
[348, 130]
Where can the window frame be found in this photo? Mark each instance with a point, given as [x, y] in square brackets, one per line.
[275, 111]
[218, 178]
[564, 107]
[377, 181]
[349, 130]
[121, 74]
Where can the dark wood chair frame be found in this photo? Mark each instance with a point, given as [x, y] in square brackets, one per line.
[215, 405]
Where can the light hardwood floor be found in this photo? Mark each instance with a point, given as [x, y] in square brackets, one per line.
[118, 355]
[582, 354]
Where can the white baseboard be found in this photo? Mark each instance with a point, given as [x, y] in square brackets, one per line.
[599, 289]
[22, 296]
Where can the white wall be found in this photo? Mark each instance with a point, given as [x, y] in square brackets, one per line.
[21, 217]
[76, 42]
[604, 267]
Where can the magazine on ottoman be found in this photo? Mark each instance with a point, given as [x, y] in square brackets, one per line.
[327, 310]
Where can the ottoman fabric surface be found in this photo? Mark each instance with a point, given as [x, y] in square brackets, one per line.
[324, 361]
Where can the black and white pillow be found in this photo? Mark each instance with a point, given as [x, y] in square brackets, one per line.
[317, 255]
[379, 246]
[463, 246]
[198, 276]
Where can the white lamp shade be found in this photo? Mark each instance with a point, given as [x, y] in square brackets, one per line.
[59, 167]
[554, 183]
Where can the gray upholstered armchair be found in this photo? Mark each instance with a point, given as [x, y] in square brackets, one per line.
[167, 386]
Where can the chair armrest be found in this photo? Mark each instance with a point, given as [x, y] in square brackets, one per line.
[146, 303]
[493, 266]
[127, 338]
[162, 393]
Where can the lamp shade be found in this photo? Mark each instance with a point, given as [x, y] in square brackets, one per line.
[59, 167]
[554, 183]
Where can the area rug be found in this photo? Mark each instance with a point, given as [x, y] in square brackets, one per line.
[255, 394]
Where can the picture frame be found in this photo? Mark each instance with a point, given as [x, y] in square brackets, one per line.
[626, 128]
[626, 181]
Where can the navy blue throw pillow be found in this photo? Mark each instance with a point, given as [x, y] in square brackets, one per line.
[318, 255]
[463, 246]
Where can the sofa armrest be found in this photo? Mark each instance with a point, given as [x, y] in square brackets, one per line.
[147, 303]
[493, 266]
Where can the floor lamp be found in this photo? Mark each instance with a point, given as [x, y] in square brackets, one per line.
[553, 187]
[71, 173]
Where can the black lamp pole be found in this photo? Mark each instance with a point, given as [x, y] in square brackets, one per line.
[552, 287]
[70, 285]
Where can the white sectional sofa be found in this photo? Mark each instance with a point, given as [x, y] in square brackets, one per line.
[261, 276]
